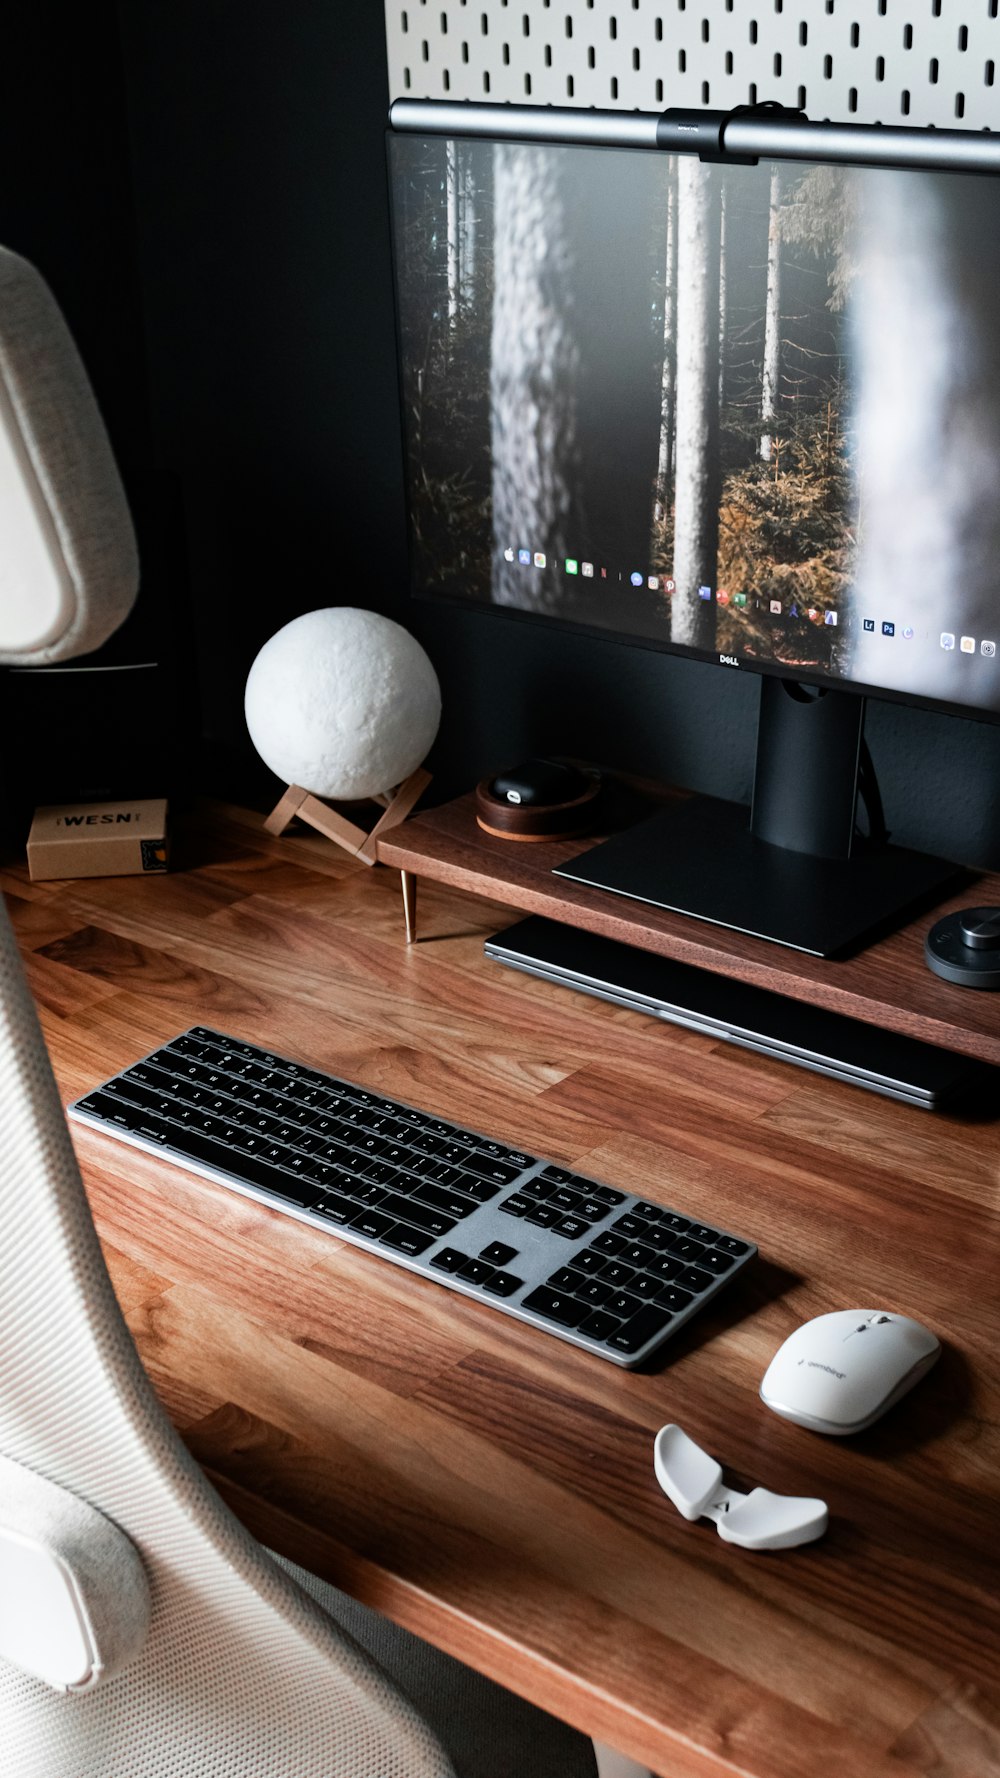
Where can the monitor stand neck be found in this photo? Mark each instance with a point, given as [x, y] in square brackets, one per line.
[805, 790]
[796, 872]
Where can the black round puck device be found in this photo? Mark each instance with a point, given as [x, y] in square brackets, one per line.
[964, 948]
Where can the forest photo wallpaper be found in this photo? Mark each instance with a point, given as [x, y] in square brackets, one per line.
[750, 411]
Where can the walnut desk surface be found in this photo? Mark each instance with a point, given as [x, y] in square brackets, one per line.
[488, 1486]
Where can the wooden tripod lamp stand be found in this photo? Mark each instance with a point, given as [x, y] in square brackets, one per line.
[343, 705]
[302, 805]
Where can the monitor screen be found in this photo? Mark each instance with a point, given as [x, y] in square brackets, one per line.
[746, 413]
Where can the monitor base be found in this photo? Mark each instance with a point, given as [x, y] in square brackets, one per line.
[704, 861]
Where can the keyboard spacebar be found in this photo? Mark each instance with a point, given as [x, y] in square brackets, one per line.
[245, 1169]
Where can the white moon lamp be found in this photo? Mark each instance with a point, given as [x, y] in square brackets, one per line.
[343, 705]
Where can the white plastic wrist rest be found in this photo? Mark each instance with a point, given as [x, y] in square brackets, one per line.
[74, 1599]
[756, 1521]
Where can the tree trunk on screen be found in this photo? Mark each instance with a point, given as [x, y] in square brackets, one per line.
[927, 415]
[665, 459]
[574, 393]
[772, 322]
[698, 476]
[531, 370]
[467, 232]
[722, 297]
[452, 202]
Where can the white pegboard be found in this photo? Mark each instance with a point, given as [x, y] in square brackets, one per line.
[868, 61]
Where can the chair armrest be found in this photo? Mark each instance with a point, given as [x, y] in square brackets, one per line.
[74, 1598]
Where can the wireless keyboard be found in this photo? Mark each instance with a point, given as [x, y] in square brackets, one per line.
[594, 1265]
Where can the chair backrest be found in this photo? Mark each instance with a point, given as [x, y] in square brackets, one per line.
[241, 1675]
[69, 569]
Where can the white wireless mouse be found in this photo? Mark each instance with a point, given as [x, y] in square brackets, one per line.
[838, 1373]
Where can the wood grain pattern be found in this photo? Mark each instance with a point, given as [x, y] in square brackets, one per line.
[886, 985]
[488, 1487]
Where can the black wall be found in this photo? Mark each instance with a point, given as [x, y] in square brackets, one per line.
[207, 198]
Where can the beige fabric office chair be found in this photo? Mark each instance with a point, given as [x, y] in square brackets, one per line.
[143, 1632]
[239, 1674]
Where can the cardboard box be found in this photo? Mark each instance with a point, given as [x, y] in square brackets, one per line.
[99, 839]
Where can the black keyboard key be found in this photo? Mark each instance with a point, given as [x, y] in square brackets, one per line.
[452, 1203]
[716, 1263]
[380, 1173]
[557, 1175]
[474, 1187]
[543, 1216]
[699, 1232]
[436, 1126]
[679, 1224]
[639, 1255]
[369, 1145]
[561, 1196]
[617, 1274]
[516, 1205]
[645, 1286]
[623, 1304]
[609, 1243]
[322, 1126]
[565, 1310]
[665, 1267]
[565, 1279]
[589, 1261]
[498, 1152]
[449, 1259]
[607, 1194]
[693, 1278]
[497, 1172]
[441, 1173]
[370, 1195]
[475, 1271]
[592, 1211]
[649, 1212]
[600, 1325]
[372, 1223]
[729, 1244]
[189, 1046]
[628, 1225]
[350, 1162]
[643, 1327]
[335, 1207]
[673, 1298]
[585, 1187]
[295, 1114]
[497, 1254]
[453, 1152]
[688, 1249]
[318, 1174]
[436, 1146]
[422, 1216]
[540, 1188]
[655, 1235]
[570, 1227]
[303, 1140]
[396, 1155]
[503, 1284]
[593, 1291]
[407, 1240]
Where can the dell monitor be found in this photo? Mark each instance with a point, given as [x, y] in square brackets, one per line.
[743, 410]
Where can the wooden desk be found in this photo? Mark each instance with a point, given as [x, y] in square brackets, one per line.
[492, 1488]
